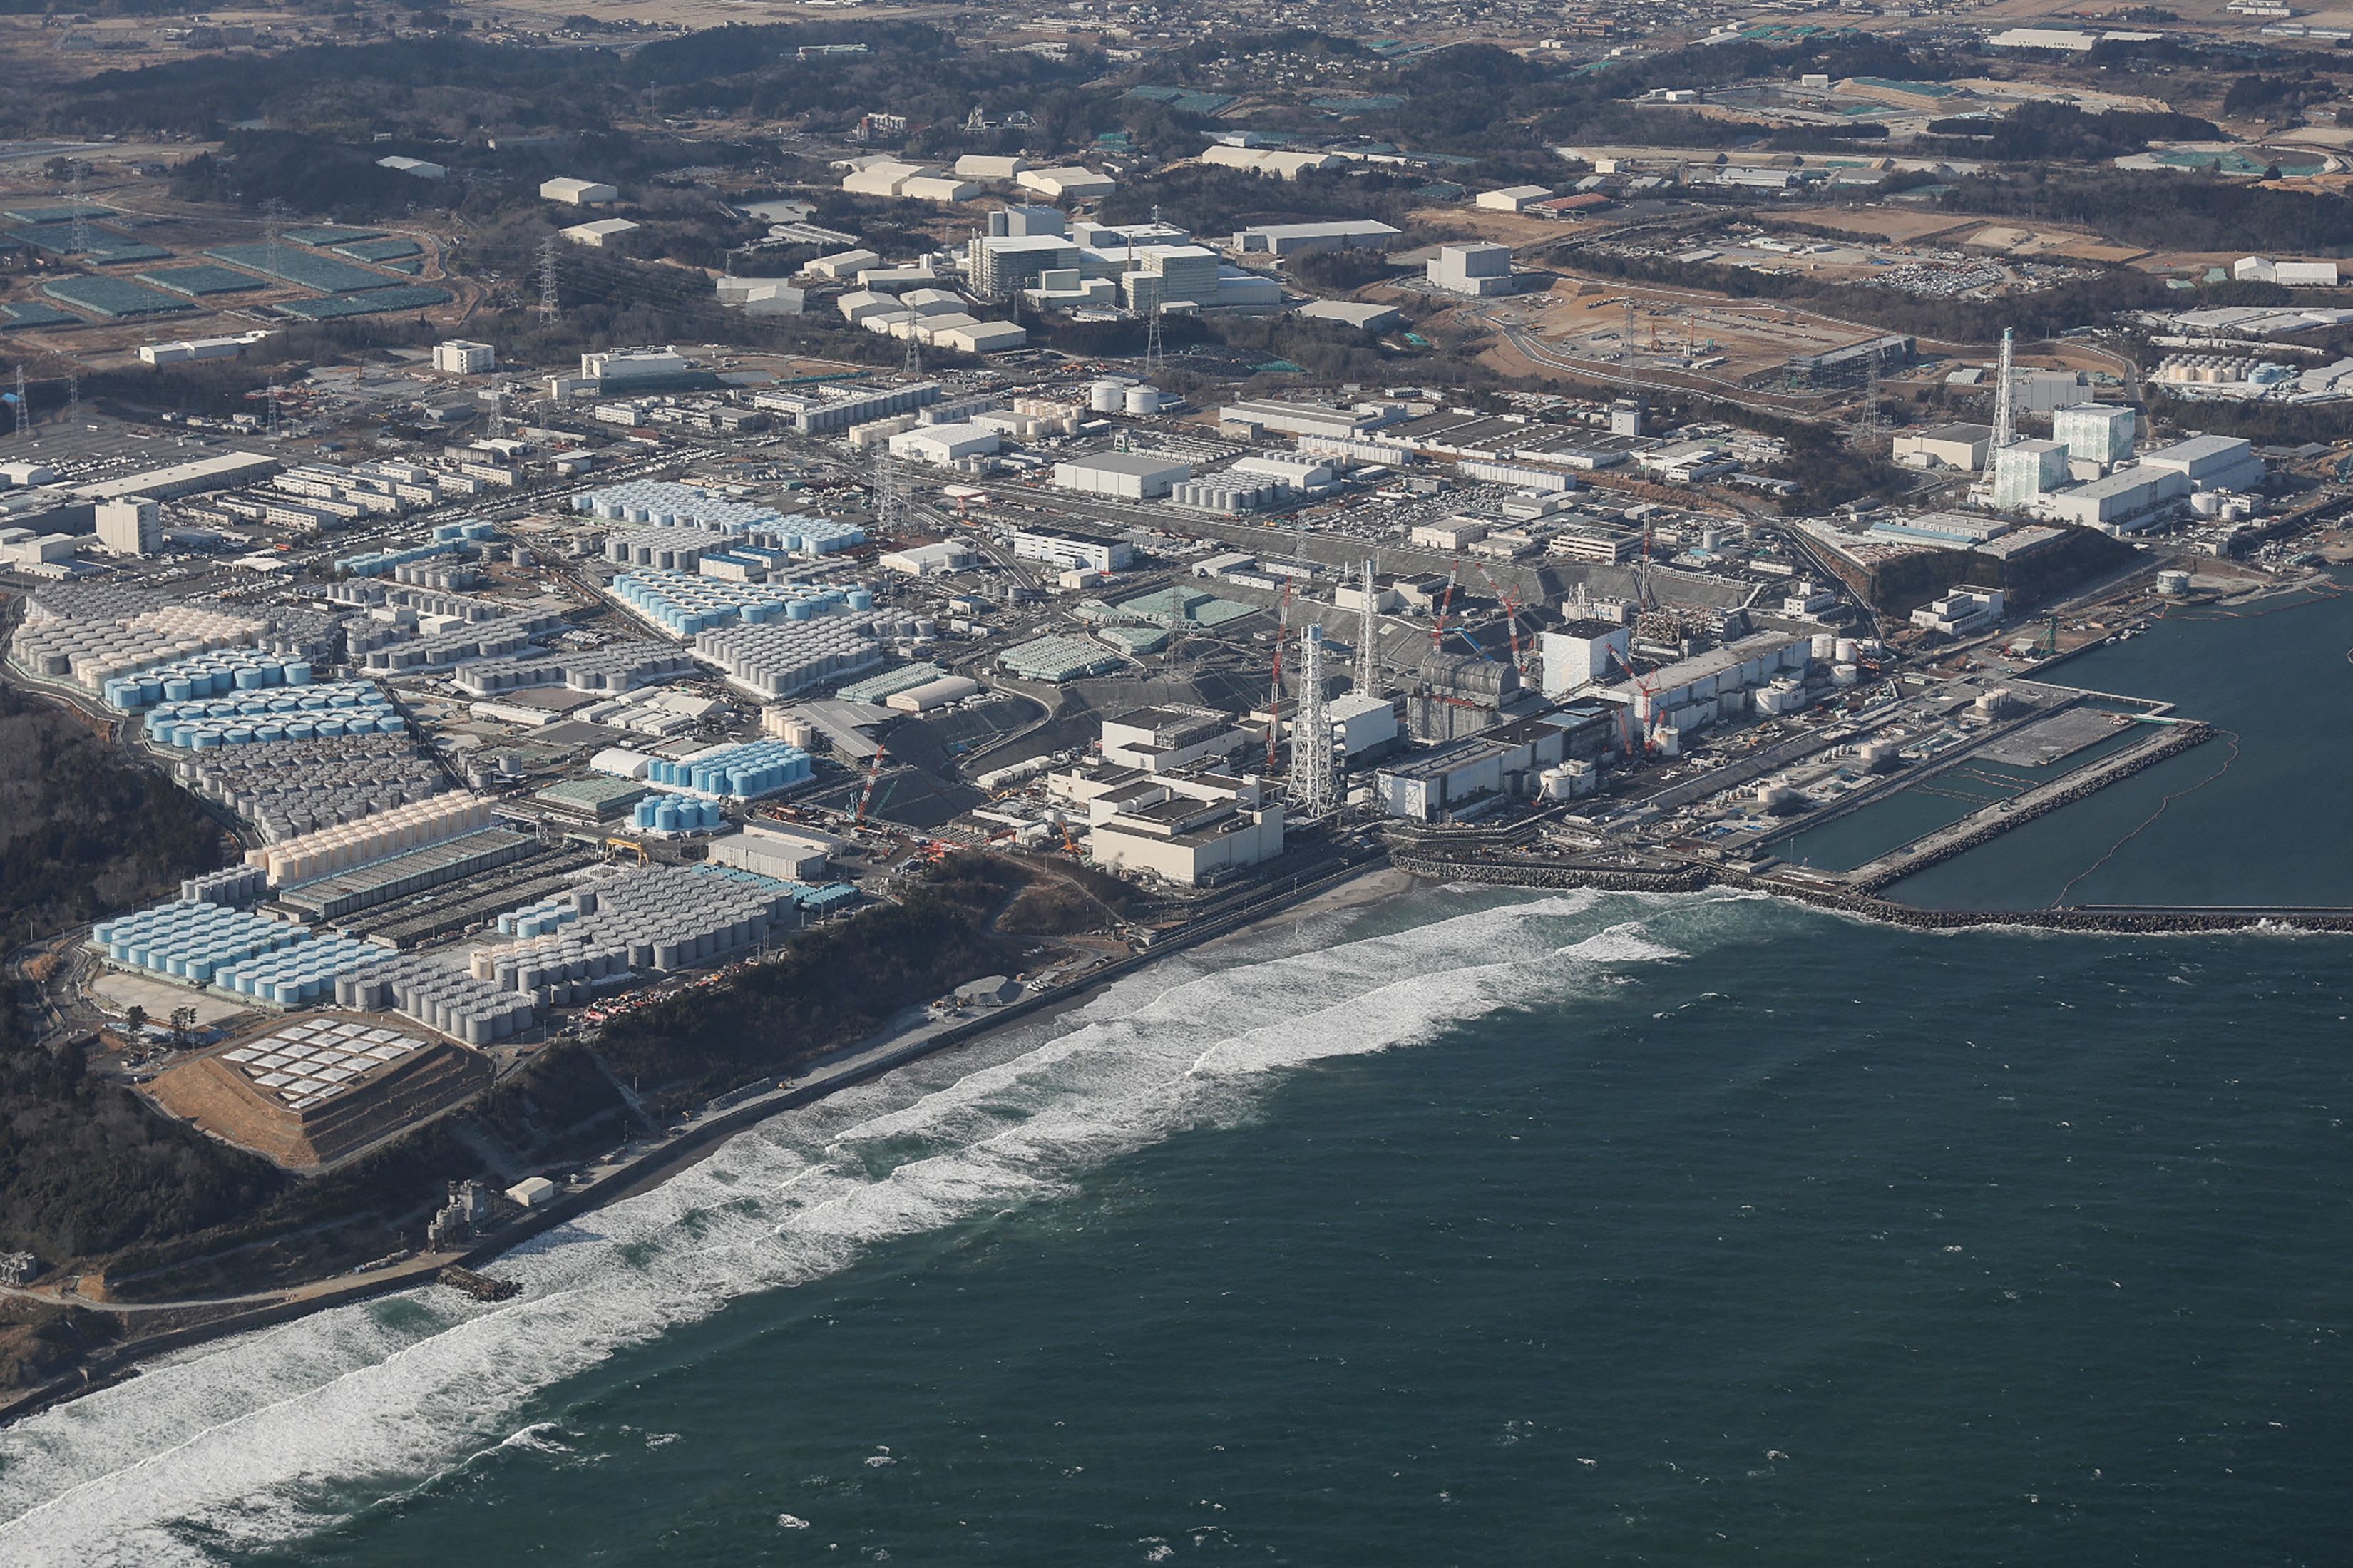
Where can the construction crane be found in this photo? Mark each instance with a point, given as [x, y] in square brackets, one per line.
[866, 796]
[1445, 605]
[1511, 604]
[1642, 686]
[1275, 694]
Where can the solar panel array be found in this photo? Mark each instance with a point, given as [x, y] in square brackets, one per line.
[307, 1064]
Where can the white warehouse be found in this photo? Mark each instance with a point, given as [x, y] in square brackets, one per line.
[1128, 476]
[578, 192]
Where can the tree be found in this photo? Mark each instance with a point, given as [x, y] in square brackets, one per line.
[134, 1018]
[183, 1023]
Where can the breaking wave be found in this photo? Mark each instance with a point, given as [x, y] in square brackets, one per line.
[274, 1434]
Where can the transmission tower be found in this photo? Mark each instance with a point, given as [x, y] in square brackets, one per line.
[1152, 341]
[912, 366]
[80, 218]
[24, 409]
[1314, 784]
[889, 505]
[547, 302]
[1626, 332]
[1368, 635]
[73, 393]
[2005, 414]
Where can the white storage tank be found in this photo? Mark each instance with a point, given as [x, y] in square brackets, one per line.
[1107, 396]
[1824, 646]
[1143, 400]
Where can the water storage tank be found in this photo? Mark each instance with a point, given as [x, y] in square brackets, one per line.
[1845, 650]
[1143, 400]
[2207, 503]
[1824, 646]
[2173, 583]
[1107, 396]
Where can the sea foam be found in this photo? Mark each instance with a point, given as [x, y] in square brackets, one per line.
[271, 1435]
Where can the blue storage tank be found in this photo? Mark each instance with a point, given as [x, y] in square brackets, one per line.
[297, 674]
[861, 599]
[666, 816]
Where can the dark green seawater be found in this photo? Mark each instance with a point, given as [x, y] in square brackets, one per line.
[1478, 1226]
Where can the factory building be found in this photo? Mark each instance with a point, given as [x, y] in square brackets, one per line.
[1511, 198]
[578, 192]
[1280, 240]
[2211, 462]
[130, 527]
[1002, 265]
[1475, 269]
[1960, 612]
[1453, 696]
[1188, 828]
[1127, 476]
[2099, 433]
[611, 368]
[1363, 723]
[1712, 685]
[2127, 499]
[1583, 653]
[1945, 446]
[1072, 551]
[1506, 762]
[1170, 275]
[457, 356]
[773, 849]
[1165, 738]
[940, 444]
[1262, 413]
[2025, 469]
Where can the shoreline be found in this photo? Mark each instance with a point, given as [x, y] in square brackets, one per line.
[1355, 884]
[1360, 884]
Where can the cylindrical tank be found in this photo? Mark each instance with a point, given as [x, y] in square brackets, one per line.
[1824, 646]
[1143, 400]
[1107, 396]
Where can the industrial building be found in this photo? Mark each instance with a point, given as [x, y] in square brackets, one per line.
[1280, 240]
[600, 232]
[1583, 654]
[2026, 469]
[612, 368]
[1511, 198]
[2122, 500]
[457, 356]
[1127, 476]
[1712, 685]
[1165, 738]
[1071, 549]
[130, 527]
[2210, 462]
[1451, 696]
[1348, 313]
[1478, 270]
[1191, 829]
[1962, 611]
[1959, 447]
[2097, 433]
[578, 192]
[1503, 764]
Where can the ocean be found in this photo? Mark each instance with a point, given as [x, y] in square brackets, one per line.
[1473, 1226]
